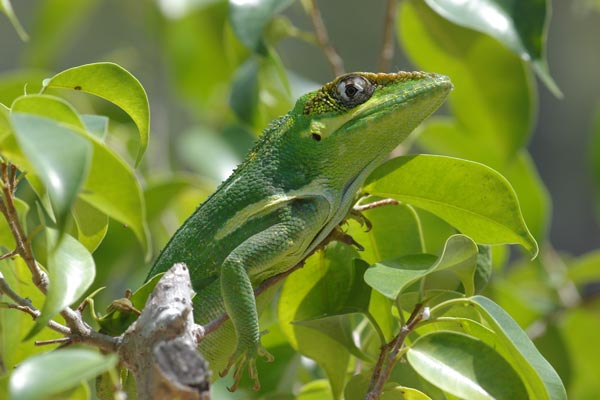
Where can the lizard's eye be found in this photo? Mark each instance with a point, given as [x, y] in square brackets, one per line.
[354, 90]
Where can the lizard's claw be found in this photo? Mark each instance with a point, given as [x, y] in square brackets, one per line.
[244, 358]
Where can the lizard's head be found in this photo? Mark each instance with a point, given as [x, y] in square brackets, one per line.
[352, 123]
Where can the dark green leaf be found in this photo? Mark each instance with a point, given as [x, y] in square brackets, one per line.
[474, 198]
[464, 367]
[71, 271]
[483, 271]
[45, 142]
[518, 25]
[249, 18]
[54, 372]
[113, 83]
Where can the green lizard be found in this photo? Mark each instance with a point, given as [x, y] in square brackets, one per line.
[294, 188]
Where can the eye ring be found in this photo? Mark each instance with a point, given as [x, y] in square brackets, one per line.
[353, 90]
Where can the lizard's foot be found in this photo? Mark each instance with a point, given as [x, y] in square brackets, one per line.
[242, 358]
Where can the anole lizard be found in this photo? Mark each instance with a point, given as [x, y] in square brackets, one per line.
[294, 188]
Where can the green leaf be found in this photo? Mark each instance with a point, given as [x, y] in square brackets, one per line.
[519, 25]
[54, 372]
[396, 232]
[260, 91]
[473, 198]
[315, 390]
[584, 269]
[48, 106]
[7, 240]
[18, 82]
[249, 18]
[112, 187]
[59, 156]
[92, 225]
[216, 164]
[71, 271]
[191, 40]
[392, 277]
[403, 393]
[541, 379]
[15, 325]
[494, 98]
[113, 83]
[6, 9]
[534, 199]
[464, 367]
[97, 125]
[579, 328]
[328, 284]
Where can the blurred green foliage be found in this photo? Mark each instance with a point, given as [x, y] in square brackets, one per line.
[222, 60]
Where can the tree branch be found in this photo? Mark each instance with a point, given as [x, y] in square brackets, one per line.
[389, 353]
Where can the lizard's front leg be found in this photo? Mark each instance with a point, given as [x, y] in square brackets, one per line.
[268, 252]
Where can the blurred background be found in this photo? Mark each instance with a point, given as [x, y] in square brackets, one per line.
[169, 45]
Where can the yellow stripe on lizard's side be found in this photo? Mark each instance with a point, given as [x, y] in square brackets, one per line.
[313, 189]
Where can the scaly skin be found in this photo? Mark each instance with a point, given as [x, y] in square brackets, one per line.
[294, 188]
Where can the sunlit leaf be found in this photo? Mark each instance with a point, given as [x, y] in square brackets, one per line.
[391, 277]
[316, 390]
[92, 225]
[113, 83]
[395, 232]
[326, 285]
[538, 375]
[493, 100]
[475, 199]
[15, 325]
[54, 372]
[71, 271]
[464, 367]
[520, 26]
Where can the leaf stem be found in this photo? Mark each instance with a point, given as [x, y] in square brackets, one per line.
[387, 48]
[334, 59]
